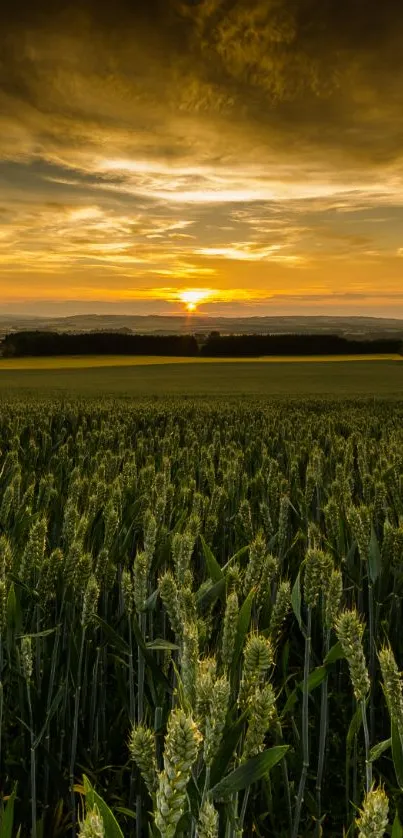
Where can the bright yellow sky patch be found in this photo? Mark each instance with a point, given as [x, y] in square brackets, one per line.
[194, 296]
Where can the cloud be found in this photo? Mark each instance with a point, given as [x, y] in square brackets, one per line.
[87, 78]
[251, 252]
[234, 141]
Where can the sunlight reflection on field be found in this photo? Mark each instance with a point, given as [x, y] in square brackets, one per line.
[85, 361]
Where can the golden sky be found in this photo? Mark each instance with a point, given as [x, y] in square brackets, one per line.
[249, 149]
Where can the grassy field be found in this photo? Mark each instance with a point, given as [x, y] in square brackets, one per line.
[182, 376]
[85, 361]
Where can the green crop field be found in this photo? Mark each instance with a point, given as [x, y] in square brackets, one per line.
[184, 376]
[200, 614]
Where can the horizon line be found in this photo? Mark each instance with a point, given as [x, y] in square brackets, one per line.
[195, 316]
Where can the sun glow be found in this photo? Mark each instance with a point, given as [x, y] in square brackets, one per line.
[191, 298]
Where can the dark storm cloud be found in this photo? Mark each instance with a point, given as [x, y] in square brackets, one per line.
[322, 73]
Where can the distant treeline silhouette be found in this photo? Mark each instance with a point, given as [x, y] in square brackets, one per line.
[20, 344]
[235, 346]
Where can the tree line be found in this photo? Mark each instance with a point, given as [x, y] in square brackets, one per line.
[22, 344]
[37, 343]
[235, 346]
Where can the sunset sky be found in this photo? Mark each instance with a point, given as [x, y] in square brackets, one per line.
[251, 150]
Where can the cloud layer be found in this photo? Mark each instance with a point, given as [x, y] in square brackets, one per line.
[248, 146]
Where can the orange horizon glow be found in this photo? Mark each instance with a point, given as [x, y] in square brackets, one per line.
[172, 300]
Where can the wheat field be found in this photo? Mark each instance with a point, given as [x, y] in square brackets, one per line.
[200, 618]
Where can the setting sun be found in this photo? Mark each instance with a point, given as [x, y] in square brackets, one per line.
[193, 297]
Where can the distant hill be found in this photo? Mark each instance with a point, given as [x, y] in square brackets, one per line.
[358, 328]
